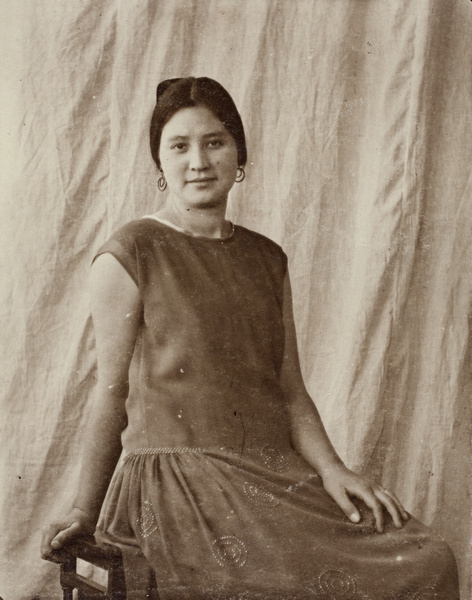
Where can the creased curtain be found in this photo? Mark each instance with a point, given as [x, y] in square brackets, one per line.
[358, 119]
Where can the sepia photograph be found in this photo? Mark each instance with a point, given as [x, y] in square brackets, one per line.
[236, 294]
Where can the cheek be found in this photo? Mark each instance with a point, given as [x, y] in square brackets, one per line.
[229, 163]
[170, 166]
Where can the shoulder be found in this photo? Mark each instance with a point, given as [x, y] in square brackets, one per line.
[136, 237]
[130, 245]
[256, 241]
[138, 230]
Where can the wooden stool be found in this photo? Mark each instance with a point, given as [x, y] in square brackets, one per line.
[101, 555]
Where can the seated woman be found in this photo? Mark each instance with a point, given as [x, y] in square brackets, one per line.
[229, 486]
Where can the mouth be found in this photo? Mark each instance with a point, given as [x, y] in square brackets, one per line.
[202, 180]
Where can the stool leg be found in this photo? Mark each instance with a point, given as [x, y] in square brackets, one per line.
[116, 582]
[67, 567]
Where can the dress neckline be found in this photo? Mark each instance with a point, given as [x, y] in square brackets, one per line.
[189, 233]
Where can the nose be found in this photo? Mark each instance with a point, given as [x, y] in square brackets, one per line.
[198, 160]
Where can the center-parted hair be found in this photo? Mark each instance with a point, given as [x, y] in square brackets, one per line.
[186, 92]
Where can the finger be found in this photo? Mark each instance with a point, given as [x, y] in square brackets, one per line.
[348, 508]
[391, 507]
[55, 537]
[48, 535]
[376, 507]
[66, 535]
[403, 512]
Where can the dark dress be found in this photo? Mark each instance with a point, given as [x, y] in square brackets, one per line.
[211, 495]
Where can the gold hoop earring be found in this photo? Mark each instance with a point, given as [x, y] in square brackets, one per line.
[241, 174]
[161, 182]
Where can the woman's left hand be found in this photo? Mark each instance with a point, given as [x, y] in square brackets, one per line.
[341, 484]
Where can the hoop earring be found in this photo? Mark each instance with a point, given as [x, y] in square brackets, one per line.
[161, 182]
[241, 175]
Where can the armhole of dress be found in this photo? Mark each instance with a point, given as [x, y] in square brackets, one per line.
[120, 261]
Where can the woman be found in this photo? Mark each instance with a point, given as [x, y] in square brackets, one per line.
[229, 487]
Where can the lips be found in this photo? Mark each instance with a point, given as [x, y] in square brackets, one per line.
[202, 180]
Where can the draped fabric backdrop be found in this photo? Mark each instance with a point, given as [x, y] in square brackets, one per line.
[358, 119]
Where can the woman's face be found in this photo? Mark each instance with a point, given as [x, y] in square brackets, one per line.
[199, 158]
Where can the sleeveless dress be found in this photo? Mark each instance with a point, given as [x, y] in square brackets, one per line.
[210, 494]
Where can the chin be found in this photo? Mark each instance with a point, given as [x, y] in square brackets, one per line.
[207, 202]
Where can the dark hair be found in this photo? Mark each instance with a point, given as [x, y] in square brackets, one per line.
[185, 92]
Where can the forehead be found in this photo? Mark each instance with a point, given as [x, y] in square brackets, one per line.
[193, 121]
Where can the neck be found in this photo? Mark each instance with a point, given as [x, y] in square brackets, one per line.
[205, 221]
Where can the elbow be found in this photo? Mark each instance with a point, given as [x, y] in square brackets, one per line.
[118, 390]
[111, 398]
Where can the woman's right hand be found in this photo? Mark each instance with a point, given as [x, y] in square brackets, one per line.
[58, 534]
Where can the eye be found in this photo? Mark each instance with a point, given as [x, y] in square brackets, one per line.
[215, 143]
[180, 147]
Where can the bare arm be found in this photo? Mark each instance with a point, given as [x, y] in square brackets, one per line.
[117, 313]
[311, 440]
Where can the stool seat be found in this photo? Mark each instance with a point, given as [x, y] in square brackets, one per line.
[101, 555]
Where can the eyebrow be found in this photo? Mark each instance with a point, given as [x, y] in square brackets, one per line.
[176, 138]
